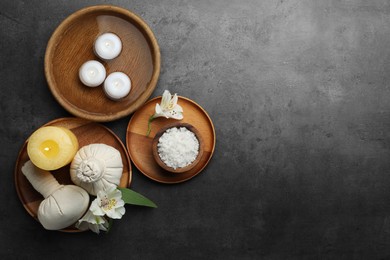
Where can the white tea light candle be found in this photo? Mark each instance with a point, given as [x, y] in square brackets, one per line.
[92, 73]
[117, 85]
[108, 46]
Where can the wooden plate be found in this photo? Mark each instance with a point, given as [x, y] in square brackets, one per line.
[87, 133]
[72, 44]
[140, 146]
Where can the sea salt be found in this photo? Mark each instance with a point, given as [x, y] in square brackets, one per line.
[178, 147]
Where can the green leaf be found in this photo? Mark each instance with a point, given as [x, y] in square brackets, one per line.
[131, 197]
[151, 118]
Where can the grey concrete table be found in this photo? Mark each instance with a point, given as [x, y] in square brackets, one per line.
[300, 98]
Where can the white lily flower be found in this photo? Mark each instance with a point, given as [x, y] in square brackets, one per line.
[168, 109]
[92, 222]
[109, 203]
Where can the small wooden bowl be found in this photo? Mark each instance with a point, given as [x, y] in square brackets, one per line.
[71, 45]
[155, 149]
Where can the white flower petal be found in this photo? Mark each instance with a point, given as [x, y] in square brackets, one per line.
[167, 114]
[82, 225]
[122, 210]
[165, 99]
[163, 114]
[159, 115]
[112, 189]
[174, 100]
[94, 228]
[94, 223]
[178, 108]
[95, 208]
[169, 107]
[158, 109]
[158, 112]
[120, 203]
[97, 220]
[175, 115]
[115, 213]
[116, 194]
[104, 226]
[87, 217]
[97, 227]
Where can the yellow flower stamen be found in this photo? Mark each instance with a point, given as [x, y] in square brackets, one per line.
[108, 204]
[171, 105]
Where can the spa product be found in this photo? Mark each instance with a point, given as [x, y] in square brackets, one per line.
[92, 73]
[117, 85]
[52, 147]
[108, 46]
[63, 204]
[178, 147]
[96, 167]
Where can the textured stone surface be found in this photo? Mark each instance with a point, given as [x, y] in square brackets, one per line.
[298, 92]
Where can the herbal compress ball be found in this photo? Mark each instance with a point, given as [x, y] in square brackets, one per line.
[96, 167]
[63, 204]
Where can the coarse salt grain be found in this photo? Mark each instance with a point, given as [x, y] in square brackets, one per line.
[178, 147]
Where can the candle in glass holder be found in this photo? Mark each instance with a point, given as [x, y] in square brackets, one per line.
[117, 85]
[92, 73]
[108, 46]
[52, 147]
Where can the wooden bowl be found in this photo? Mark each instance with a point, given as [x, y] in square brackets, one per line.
[87, 132]
[72, 44]
[140, 146]
[157, 156]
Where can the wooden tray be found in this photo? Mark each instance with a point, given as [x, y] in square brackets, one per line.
[140, 146]
[87, 133]
[72, 44]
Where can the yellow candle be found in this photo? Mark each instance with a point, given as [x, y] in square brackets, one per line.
[52, 147]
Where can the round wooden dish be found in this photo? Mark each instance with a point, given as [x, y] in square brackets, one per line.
[72, 44]
[157, 156]
[87, 133]
[140, 146]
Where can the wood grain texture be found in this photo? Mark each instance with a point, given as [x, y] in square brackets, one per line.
[72, 44]
[140, 146]
[87, 132]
